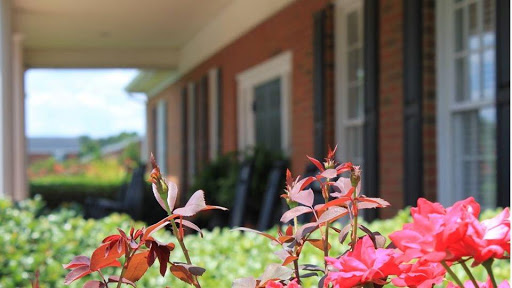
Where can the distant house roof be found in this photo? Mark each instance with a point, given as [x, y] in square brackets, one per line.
[113, 148]
[116, 147]
[56, 146]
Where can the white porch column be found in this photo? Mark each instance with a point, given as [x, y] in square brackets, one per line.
[19, 166]
[12, 113]
[6, 182]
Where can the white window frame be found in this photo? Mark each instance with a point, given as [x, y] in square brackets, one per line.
[343, 7]
[279, 66]
[213, 99]
[191, 131]
[445, 104]
[161, 135]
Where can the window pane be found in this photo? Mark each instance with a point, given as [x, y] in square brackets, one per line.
[474, 76]
[488, 72]
[352, 28]
[459, 30]
[473, 31]
[488, 22]
[353, 65]
[460, 71]
[355, 102]
[355, 143]
[475, 150]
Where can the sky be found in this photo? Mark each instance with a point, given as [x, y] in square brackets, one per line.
[76, 102]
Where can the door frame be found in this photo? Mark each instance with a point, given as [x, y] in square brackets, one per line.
[279, 66]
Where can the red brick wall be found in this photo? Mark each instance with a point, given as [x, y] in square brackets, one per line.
[391, 105]
[289, 29]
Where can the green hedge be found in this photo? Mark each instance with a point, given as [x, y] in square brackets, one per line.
[58, 192]
[46, 242]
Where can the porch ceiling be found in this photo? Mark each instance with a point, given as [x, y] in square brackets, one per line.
[167, 34]
[98, 33]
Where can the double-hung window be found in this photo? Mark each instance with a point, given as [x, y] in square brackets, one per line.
[466, 100]
[350, 80]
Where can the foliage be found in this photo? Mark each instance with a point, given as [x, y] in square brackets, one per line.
[220, 175]
[32, 239]
[423, 253]
[74, 181]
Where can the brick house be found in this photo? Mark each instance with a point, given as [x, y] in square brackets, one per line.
[417, 92]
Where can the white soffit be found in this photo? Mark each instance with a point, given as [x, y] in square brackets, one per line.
[233, 21]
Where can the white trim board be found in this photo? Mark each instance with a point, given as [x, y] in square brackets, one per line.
[279, 66]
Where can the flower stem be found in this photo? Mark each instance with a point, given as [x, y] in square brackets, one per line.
[466, 268]
[450, 271]
[488, 266]
[296, 266]
[123, 270]
[184, 249]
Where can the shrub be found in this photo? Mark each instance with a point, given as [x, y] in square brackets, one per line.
[220, 175]
[31, 242]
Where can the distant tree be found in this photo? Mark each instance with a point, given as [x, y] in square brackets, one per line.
[89, 146]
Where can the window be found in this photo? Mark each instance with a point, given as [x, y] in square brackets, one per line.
[350, 80]
[466, 101]
[278, 67]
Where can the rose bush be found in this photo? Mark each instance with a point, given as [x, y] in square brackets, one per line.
[419, 255]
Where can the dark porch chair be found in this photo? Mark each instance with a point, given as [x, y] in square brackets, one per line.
[130, 200]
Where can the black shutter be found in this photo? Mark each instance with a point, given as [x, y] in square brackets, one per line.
[219, 113]
[205, 118]
[371, 104]
[153, 130]
[184, 140]
[503, 101]
[318, 84]
[413, 84]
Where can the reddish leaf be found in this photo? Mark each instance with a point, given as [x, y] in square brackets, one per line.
[289, 260]
[94, 284]
[191, 225]
[289, 230]
[332, 214]
[317, 163]
[285, 238]
[244, 283]
[99, 261]
[172, 194]
[157, 196]
[319, 243]
[77, 261]
[344, 233]
[182, 273]
[329, 173]
[137, 266]
[194, 270]
[275, 272]
[77, 273]
[371, 202]
[195, 204]
[258, 232]
[345, 167]
[111, 238]
[335, 202]
[289, 179]
[294, 212]
[155, 227]
[117, 279]
[304, 197]
[305, 229]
